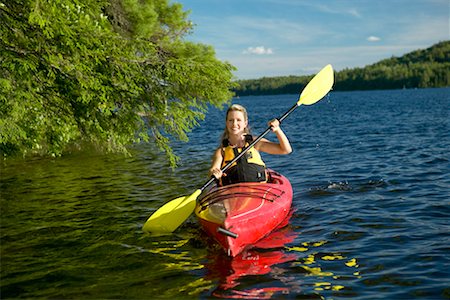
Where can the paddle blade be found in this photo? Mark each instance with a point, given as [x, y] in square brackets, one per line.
[172, 214]
[318, 87]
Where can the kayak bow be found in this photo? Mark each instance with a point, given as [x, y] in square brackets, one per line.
[239, 215]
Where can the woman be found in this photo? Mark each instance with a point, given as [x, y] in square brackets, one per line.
[236, 136]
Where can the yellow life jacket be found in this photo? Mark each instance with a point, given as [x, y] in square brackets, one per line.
[249, 168]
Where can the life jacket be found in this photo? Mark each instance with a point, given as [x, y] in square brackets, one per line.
[249, 168]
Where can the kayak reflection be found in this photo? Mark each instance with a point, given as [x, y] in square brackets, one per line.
[264, 259]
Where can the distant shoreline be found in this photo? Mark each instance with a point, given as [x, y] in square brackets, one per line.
[356, 90]
[426, 68]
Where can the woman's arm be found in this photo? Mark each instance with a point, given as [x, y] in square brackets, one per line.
[216, 164]
[282, 147]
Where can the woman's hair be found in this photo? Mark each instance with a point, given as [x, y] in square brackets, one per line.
[235, 107]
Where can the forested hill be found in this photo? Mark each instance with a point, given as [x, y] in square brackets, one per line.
[418, 69]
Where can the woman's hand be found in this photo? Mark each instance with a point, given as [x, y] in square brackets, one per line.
[217, 173]
[275, 125]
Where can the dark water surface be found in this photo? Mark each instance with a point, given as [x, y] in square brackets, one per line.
[371, 179]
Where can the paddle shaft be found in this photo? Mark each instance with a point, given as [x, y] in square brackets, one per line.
[228, 165]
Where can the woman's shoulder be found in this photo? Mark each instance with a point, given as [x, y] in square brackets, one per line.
[218, 151]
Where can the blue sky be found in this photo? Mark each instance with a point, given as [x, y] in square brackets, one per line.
[299, 37]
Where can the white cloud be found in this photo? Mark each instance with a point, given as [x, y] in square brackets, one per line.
[373, 38]
[260, 50]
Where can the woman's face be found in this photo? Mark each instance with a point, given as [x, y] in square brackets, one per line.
[236, 122]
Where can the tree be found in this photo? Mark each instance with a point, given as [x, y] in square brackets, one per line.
[103, 72]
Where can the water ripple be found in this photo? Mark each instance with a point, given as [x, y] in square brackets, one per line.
[370, 220]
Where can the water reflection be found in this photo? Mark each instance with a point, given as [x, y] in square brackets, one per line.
[237, 275]
[280, 265]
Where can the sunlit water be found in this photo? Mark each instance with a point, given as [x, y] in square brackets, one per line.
[370, 172]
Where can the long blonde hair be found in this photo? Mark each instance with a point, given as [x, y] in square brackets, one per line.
[235, 107]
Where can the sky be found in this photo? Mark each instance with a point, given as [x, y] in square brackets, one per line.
[267, 38]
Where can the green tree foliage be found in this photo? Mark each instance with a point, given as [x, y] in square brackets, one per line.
[103, 72]
[418, 69]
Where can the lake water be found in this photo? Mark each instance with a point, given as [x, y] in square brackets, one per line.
[371, 179]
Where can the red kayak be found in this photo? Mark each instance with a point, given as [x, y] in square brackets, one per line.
[239, 215]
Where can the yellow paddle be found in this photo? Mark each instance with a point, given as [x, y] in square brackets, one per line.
[172, 214]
